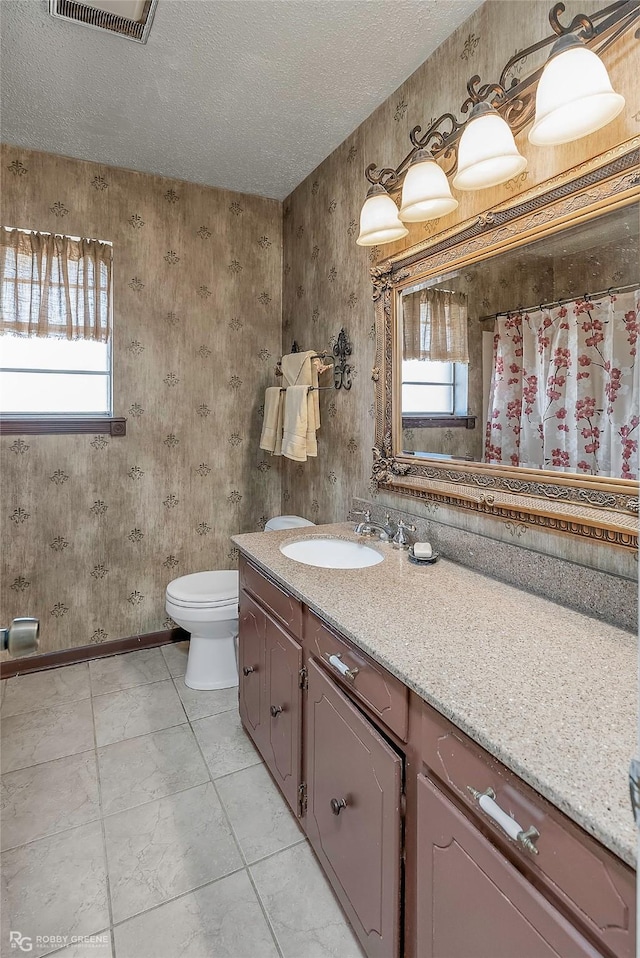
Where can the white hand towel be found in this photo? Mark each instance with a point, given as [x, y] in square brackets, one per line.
[312, 445]
[296, 368]
[271, 438]
[294, 436]
[299, 370]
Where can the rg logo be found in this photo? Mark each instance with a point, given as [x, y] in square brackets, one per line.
[22, 942]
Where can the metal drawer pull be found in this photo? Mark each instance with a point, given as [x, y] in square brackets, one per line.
[337, 804]
[275, 710]
[486, 801]
[342, 667]
[247, 670]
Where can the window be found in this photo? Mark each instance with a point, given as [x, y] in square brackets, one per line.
[55, 332]
[435, 364]
[42, 377]
[434, 393]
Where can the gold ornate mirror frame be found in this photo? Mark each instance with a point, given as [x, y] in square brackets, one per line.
[601, 509]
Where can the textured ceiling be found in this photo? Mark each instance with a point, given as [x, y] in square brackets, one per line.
[248, 95]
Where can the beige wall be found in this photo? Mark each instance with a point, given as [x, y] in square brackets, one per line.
[83, 569]
[186, 365]
[326, 275]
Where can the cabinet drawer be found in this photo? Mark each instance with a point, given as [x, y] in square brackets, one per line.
[387, 698]
[596, 886]
[472, 901]
[282, 606]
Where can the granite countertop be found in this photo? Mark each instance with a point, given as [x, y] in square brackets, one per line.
[549, 692]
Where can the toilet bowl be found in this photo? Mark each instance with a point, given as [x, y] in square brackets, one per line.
[206, 605]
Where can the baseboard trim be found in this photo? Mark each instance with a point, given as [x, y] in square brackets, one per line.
[53, 660]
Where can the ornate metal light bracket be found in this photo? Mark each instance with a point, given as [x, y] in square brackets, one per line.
[341, 368]
[514, 99]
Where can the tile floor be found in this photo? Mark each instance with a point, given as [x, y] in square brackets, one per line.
[137, 811]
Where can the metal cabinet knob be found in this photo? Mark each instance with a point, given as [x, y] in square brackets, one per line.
[275, 710]
[337, 804]
[247, 669]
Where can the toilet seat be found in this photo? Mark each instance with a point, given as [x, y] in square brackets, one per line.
[227, 604]
[205, 590]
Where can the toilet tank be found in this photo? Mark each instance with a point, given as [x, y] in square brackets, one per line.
[287, 522]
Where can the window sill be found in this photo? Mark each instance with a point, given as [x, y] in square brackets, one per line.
[431, 422]
[44, 425]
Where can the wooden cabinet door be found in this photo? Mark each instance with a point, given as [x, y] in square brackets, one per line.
[472, 901]
[348, 761]
[283, 711]
[251, 661]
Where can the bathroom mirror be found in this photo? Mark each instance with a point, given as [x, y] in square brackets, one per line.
[505, 366]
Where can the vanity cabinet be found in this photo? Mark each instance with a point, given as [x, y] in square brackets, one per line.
[472, 901]
[354, 817]
[283, 711]
[574, 872]
[270, 697]
[388, 792]
[251, 669]
[382, 694]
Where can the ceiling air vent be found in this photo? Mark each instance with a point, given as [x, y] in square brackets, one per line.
[128, 18]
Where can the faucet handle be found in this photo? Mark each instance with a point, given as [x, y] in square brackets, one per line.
[363, 528]
[400, 540]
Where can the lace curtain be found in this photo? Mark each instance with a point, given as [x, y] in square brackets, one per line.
[434, 326]
[564, 389]
[54, 286]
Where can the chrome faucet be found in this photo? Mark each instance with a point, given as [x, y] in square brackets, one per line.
[369, 529]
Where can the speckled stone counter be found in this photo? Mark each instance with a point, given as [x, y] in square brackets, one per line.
[549, 692]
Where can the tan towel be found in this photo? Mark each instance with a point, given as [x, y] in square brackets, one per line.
[271, 438]
[294, 436]
[299, 370]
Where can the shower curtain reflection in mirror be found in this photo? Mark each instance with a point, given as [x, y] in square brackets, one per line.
[564, 388]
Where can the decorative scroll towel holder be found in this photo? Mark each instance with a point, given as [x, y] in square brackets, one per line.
[341, 348]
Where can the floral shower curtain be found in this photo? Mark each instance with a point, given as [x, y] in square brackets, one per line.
[564, 388]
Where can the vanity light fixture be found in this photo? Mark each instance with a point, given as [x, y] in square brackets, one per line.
[574, 96]
[426, 193]
[487, 152]
[379, 220]
[571, 96]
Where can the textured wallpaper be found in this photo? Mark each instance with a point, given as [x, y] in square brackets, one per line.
[209, 287]
[326, 275]
[94, 527]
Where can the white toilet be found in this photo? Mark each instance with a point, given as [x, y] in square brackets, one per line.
[287, 522]
[206, 605]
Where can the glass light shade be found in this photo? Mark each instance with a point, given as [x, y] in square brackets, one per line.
[487, 153]
[574, 96]
[425, 193]
[379, 221]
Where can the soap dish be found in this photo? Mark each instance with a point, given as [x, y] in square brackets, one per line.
[416, 561]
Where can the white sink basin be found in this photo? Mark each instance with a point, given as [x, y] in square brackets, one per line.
[328, 553]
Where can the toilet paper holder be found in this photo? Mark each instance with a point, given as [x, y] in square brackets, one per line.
[21, 638]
